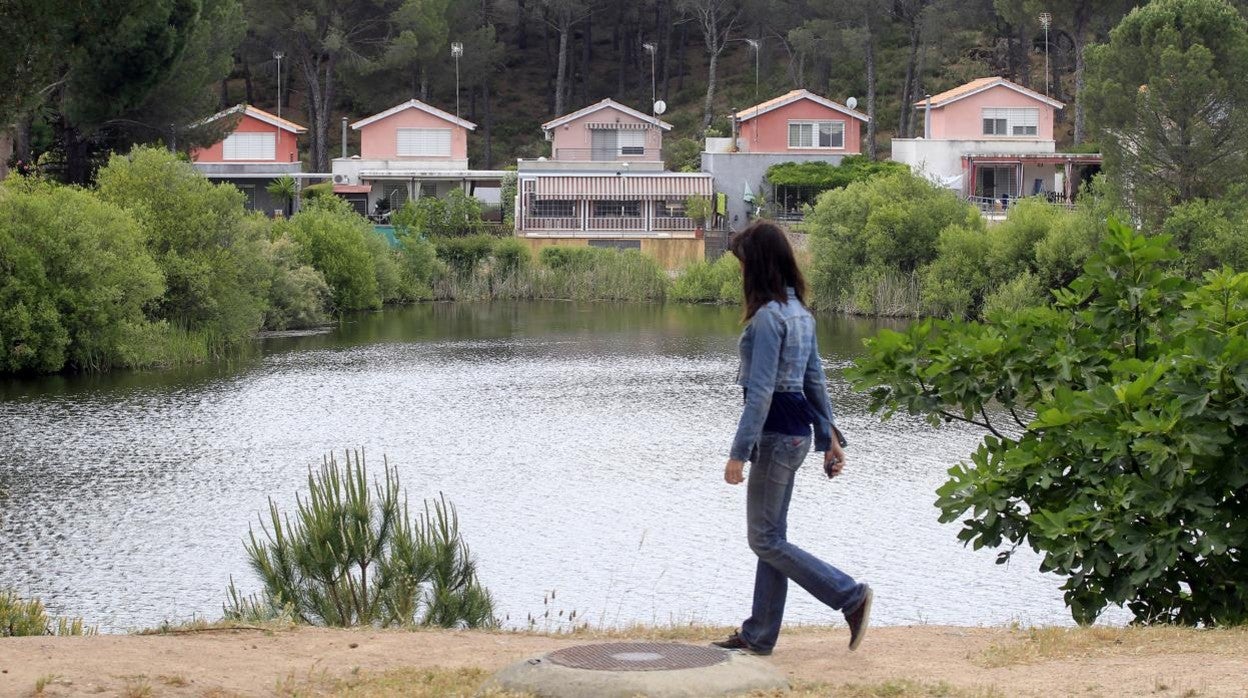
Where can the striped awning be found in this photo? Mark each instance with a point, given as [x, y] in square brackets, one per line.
[613, 126]
[622, 187]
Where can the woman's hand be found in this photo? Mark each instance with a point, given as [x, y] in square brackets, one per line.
[734, 472]
[834, 460]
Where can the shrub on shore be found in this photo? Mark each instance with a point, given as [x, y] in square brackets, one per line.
[75, 278]
[28, 618]
[709, 282]
[352, 555]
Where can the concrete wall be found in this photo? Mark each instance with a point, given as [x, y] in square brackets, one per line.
[574, 135]
[769, 132]
[731, 171]
[670, 253]
[287, 149]
[379, 140]
[963, 119]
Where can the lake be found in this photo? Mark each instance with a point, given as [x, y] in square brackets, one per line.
[583, 445]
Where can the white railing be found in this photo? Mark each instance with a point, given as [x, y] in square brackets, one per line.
[681, 223]
[626, 223]
[534, 223]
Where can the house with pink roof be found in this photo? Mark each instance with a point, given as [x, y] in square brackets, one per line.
[992, 140]
[604, 185]
[798, 126]
[408, 151]
[259, 148]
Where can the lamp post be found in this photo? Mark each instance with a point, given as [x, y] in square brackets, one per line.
[755, 45]
[457, 50]
[1046, 20]
[278, 56]
[651, 49]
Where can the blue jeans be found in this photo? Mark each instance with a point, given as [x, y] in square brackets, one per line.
[767, 508]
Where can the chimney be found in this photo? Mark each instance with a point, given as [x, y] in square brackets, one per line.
[344, 137]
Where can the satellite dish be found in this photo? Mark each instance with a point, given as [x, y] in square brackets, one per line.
[852, 102]
[660, 107]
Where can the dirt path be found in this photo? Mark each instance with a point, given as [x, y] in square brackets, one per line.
[923, 660]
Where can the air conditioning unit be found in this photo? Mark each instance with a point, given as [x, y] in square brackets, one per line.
[340, 179]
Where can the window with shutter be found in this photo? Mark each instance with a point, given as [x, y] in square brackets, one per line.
[1013, 121]
[817, 134]
[250, 146]
[423, 142]
[632, 142]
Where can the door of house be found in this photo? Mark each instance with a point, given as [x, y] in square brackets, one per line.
[997, 182]
[604, 144]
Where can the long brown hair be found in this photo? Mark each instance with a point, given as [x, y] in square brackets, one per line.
[768, 266]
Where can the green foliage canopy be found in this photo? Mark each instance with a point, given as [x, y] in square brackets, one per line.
[818, 174]
[75, 278]
[1123, 462]
[1169, 102]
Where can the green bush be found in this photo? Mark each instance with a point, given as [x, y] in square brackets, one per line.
[298, 294]
[954, 283]
[683, 155]
[819, 174]
[1210, 234]
[75, 278]
[392, 283]
[215, 267]
[507, 198]
[1021, 292]
[568, 257]
[889, 224]
[709, 282]
[22, 618]
[351, 555]
[462, 255]
[455, 215]
[510, 256]
[317, 191]
[337, 242]
[421, 266]
[1116, 429]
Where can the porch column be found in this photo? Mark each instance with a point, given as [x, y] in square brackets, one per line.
[1070, 170]
[584, 204]
[648, 205]
[969, 185]
[1018, 182]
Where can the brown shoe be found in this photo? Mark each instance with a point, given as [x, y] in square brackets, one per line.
[859, 620]
[734, 642]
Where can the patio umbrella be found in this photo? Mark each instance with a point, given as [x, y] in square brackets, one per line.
[749, 193]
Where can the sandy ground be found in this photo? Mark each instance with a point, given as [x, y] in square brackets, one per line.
[941, 660]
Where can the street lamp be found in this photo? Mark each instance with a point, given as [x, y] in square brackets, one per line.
[278, 56]
[651, 49]
[755, 45]
[457, 50]
[1046, 20]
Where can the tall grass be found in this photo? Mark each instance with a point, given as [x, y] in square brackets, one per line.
[586, 275]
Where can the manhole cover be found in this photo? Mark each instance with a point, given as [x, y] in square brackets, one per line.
[637, 656]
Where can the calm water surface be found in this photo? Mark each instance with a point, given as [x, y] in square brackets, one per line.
[583, 446]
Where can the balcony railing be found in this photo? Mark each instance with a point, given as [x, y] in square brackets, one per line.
[998, 206]
[534, 223]
[616, 223]
[624, 154]
[681, 223]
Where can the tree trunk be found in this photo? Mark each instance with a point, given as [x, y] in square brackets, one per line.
[681, 49]
[247, 87]
[916, 92]
[424, 83]
[224, 100]
[587, 55]
[487, 125]
[870, 60]
[21, 138]
[77, 166]
[562, 70]
[665, 64]
[1080, 38]
[522, 34]
[708, 108]
[907, 88]
[625, 55]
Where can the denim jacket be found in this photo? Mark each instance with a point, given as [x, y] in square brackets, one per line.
[779, 354]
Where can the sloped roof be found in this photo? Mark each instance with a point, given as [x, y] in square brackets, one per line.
[554, 123]
[793, 96]
[415, 104]
[979, 85]
[258, 114]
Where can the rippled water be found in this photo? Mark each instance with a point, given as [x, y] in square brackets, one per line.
[582, 444]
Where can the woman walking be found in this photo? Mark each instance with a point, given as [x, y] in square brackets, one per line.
[785, 395]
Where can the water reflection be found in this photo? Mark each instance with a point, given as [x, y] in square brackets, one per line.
[582, 443]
